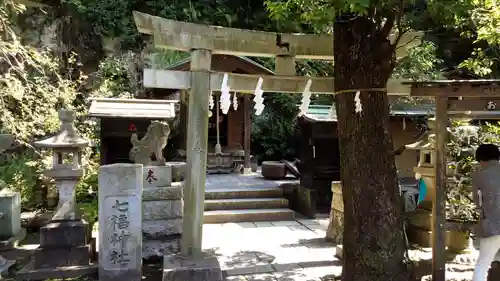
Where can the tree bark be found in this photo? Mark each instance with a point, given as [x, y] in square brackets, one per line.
[373, 242]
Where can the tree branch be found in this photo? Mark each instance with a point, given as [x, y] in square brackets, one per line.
[399, 17]
[386, 29]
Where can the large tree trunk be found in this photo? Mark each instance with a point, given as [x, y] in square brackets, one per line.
[374, 243]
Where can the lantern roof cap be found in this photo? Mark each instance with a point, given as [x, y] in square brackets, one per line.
[67, 137]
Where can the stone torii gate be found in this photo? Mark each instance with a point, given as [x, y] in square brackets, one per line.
[203, 41]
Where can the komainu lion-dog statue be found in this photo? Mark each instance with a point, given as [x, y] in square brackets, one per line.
[152, 143]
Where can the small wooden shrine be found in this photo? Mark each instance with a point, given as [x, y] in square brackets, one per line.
[120, 118]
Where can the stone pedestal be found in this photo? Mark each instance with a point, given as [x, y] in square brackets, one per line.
[63, 252]
[178, 170]
[62, 243]
[335, 230]
[11, 232]
[203, 268]
[64, 240]
[162, 211]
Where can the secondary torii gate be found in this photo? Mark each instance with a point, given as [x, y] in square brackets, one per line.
[453, 98]
[203, 41]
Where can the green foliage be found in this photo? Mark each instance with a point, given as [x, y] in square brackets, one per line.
[274, 131]
[421, 64]
[21, 173]
[89, 211]
[461, 148]
[113, 18]
[33, 90]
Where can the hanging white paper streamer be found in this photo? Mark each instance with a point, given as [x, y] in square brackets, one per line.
[332, 113]
[225, 96]
[306, 97]
[258, 98]
[211, 101]
[235, 101]
[210, 104]
[357, 102]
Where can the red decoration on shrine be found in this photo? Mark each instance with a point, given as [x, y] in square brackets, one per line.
[132, 128]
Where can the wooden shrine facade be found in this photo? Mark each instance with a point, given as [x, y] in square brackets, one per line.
[232, 126]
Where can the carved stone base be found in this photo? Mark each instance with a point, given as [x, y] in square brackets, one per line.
[179, 268]
[62, 243]
[29, 272]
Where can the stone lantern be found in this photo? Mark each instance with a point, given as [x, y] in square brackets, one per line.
[420, 220]
[425, 169]
[63, 246]
[66, 168]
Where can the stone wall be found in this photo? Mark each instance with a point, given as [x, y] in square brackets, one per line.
[162, 207]
[336, 225]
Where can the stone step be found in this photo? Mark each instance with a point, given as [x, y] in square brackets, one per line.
[248, 215]
[159, 248]
[158, 229]
[161, 210]
[172, 192]
[245, 203]
[243, 192]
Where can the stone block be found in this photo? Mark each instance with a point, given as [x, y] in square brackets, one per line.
[456, 241]
[306, 202]
[335, 229]
[421, 219]
[157, 176]
[163, 193]
[160, 248]
[339, 252]
[161, 228]
[161, 210]
[337, 198]
[64, 234]
[12, 242]
[178, 170]
[5, 265]
[273, 170]
[206, 267]
[65, 272]
[10, 207]
[61, 256]
[120, 222]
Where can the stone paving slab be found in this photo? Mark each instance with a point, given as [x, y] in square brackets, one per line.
[278, 250]
[293, 251]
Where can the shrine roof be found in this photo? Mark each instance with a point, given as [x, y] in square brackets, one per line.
[132, 108]
[321, 113]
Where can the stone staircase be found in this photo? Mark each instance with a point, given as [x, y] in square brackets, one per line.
[246, 204]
